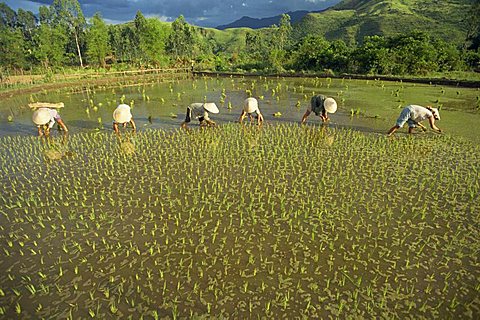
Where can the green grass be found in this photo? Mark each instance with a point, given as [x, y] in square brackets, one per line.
[239, 222]
[329, 23]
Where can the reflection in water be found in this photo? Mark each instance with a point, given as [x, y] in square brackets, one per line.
[126, 144]
[56, 148]
[321, 135]
[328, 135]
[329, 139]
[252, 133]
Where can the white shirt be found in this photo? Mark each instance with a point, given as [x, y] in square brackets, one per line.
[419, 113]
[53, 113]
[54, 117]
[198, 111]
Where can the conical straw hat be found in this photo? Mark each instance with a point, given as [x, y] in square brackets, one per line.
[250, 105]
[41, 116]
[122, 114]
[330, 105]
[211, 107]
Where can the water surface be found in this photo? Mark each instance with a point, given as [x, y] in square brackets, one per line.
[366, 105]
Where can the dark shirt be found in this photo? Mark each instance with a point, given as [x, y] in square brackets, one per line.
[316, 104]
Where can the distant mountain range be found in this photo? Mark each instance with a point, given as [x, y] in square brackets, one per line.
[255, 23]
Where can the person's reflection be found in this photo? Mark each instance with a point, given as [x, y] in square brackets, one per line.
[322, 135]
[126, 145]
[56, 148]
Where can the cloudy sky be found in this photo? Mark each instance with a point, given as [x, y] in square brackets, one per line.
[208, 13]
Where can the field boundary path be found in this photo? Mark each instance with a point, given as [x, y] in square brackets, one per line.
[436, 81]
[20, 84]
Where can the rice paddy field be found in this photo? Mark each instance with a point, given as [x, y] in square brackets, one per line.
[364, 105]
[236, 222]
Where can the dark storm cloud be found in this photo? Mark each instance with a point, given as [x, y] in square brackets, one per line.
[198, 12]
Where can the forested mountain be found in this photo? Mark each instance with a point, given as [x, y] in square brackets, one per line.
[352, 20]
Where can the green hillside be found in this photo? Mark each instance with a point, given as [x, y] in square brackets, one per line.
[351, 20]
[230, 40]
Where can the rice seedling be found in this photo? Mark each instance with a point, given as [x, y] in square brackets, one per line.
[339, 224]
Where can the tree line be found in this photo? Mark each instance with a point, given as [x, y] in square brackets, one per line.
[60, 36]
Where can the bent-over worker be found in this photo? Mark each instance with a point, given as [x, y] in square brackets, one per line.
[200, 111]
[250, 108]
[413, 115]
[122, 115]
[45, 118]
[321, 106]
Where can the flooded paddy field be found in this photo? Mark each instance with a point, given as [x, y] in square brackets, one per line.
[283, 221]
[365, 105]
[239, 222]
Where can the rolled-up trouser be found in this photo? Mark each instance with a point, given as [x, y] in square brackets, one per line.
[406, 116]
[253, 114]
[188, 116]
[55, 118]
[51, 123]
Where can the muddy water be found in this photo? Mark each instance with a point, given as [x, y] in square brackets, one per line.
[370, 106]
[98, 226]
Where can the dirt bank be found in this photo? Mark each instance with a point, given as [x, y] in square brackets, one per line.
[29, 84]
[437, 81]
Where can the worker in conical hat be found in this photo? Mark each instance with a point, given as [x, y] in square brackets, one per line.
[321, 106]
[45, 118]
[250, 109]
[413, 115]
[200, 111]
[122, 115]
